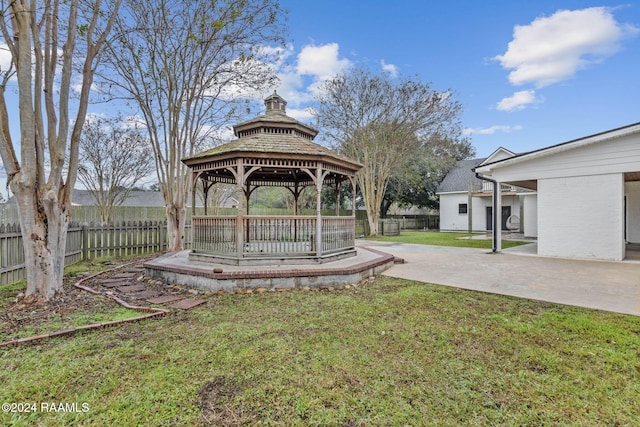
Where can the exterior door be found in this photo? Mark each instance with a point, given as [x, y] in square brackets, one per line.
[506, 213]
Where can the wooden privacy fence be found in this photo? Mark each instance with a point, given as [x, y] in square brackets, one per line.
[87, 241]
[418, 222]
[91, 214]
[392, 225]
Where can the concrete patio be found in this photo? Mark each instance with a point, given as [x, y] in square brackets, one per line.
[611, 286]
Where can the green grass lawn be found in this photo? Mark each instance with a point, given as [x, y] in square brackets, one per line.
[391, 353]
[442, 239]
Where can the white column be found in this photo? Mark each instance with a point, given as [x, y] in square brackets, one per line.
[497, 216]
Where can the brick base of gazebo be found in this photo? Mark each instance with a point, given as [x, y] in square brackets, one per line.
[181, 269]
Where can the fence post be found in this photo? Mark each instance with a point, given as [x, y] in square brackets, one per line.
[162, 235]
[85, 242]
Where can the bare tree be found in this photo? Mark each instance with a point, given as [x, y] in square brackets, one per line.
[184, 64]
[44, 38]
[380, 121]
[113, 158]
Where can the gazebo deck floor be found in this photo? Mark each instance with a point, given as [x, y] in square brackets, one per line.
[256, 258]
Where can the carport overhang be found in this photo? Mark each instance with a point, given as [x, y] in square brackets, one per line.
[528, 170]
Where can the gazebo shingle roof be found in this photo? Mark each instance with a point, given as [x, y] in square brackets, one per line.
[274, 133]
[271, 143]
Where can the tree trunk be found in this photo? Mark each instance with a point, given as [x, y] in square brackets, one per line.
[176, 219]
[44, 236]
[384, 208]
[373, 224]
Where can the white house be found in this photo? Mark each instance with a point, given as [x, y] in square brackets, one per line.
[466, 201]
[587, 200]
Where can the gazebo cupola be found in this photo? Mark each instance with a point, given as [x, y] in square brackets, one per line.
[275, 104]
[278, 151]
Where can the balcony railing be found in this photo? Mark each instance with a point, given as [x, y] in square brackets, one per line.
[487, 187]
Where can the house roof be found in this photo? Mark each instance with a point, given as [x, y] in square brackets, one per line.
[460, 176]
[501, 153]
[136, 198]
[565, 146]
[612, 151]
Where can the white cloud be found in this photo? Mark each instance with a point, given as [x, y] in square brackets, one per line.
[491, 130]
[389, 68]
[313, 65]
[554, 48]
[518, 101]
[5, 58]
[300, 114]
[322, 62]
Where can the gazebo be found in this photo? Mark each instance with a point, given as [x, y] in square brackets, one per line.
[273, 150]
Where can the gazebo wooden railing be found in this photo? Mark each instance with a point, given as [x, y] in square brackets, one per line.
[264, 235]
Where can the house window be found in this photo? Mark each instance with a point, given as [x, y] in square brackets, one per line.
[462, 208]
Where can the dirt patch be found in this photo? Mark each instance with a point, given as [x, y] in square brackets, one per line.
[21, 317]
[216, 402]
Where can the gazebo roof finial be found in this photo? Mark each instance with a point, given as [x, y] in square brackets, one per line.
[275, 104]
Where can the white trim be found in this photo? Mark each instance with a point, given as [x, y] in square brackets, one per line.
[453, 192]
[496, 153]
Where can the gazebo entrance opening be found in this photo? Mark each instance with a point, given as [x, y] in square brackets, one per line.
[273, 150]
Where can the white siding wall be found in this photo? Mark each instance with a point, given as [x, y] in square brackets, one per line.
[480, 205]
[450, 219]
[530, 220]
[581, 217]
[605, 157]
[632, 191]
[480, 213]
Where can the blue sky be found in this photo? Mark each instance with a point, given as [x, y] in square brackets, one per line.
[529, 74]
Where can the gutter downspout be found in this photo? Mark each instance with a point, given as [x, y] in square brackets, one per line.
[497, 216]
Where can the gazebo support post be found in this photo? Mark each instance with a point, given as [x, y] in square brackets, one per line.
[318, 239]
[296, 195]
[338, 187]
[247, 197]
[240, 217]
[353, 195]
[194, 181]
[247, 194]
[206, 186]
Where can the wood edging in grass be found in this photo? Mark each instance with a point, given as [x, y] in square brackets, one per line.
[151, 312]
